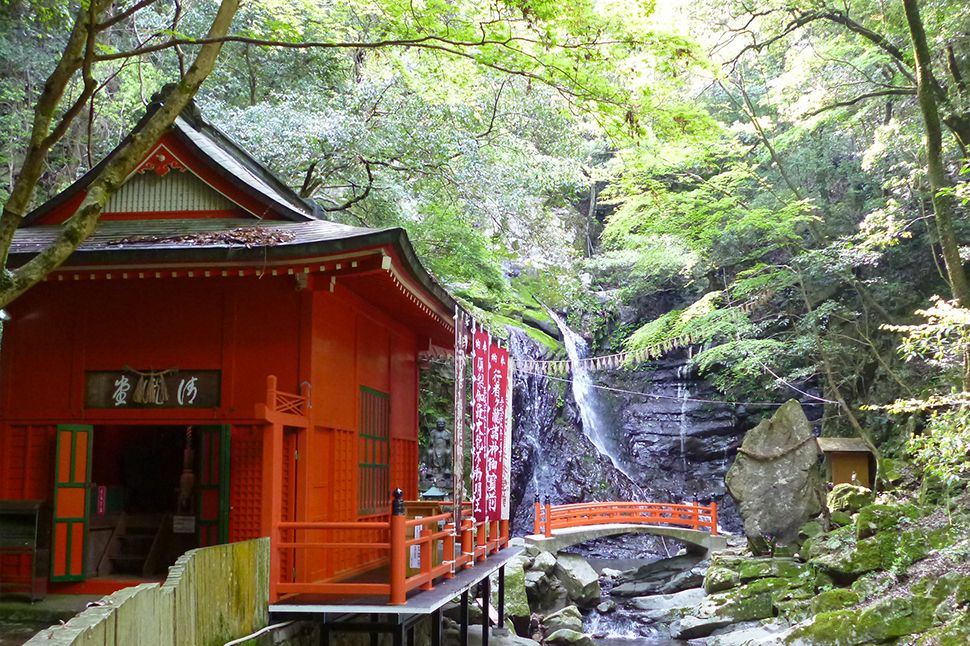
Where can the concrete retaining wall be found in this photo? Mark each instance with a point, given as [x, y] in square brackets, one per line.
[212, 595]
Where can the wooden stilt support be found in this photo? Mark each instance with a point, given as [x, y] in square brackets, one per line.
[486, 601]
[436, 628]
[463, 620]
[501, 597]
[399, 553]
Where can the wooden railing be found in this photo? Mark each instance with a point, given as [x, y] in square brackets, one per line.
[458, 549]
[549, 518]
[283, 402]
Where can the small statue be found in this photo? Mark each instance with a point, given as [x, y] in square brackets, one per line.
[439, 447]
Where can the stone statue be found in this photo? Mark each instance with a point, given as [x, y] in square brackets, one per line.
[439, 448]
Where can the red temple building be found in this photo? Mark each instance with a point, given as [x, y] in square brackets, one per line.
[218, 363]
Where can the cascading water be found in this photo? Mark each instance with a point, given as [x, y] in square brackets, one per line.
[596, 424]
[534, 412]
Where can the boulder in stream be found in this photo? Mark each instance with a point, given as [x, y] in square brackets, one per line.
[579, 578]
[776, 480]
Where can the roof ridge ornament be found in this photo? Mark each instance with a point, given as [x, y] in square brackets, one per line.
[161, 160]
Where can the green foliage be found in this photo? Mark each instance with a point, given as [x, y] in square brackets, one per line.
[645, 265]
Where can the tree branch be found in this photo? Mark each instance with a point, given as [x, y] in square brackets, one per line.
[902, 91]
[80, 225]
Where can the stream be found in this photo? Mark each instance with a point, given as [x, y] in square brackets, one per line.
[575, 441]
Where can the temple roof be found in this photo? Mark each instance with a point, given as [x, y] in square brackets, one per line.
[198, 200]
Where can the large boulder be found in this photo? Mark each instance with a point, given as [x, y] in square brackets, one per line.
[546, 594]
[516, 598]
[661, 577]
[579, 578]
[776, 480]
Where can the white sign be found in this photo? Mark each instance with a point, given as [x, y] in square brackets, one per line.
[183, 524]
[416, 549]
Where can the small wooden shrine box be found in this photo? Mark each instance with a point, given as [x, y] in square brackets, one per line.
[848, 459]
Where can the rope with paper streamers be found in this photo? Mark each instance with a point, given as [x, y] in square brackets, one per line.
[614, 361]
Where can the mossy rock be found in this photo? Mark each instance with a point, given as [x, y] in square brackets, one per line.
[878, 518]
[874, 585]
[840, 518]
[884, 621]
[795, 610]
[955, 632]
[837, 540]
[884, 551]
[718, 579]
[837, 599]
[962, 597]
[811, 530]
[848, 498]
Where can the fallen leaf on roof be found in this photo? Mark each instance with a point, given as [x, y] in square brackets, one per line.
[250, 237]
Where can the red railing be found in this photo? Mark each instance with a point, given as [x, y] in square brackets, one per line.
[695, 516]
[457, 549]
[283, 402]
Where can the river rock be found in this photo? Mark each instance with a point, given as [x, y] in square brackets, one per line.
[776, 481]
[450, 636]
[546, 593]
[566, 637]
[579, 578]
[546, 562]
[656, 577]
[660, 607]
[748, 634]
[568, 618]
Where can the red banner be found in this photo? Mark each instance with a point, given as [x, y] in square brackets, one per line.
[498, 379]
[479, 422]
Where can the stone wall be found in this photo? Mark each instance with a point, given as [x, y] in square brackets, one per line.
[212, 595]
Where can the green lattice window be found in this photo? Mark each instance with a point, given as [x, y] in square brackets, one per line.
[374, 452]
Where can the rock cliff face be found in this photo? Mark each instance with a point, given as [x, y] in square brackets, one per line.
[675, 448]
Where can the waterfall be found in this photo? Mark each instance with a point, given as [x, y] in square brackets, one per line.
[533, 414]
[596, 423]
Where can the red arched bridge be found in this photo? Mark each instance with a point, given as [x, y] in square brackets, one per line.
[560, 526]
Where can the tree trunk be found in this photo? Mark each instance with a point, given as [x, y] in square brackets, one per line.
[79, 226]
[936, 173]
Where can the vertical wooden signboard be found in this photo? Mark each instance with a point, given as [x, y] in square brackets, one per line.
[72, 476]
[507, 444]
[458, 445]
[498, 364]
[480, 339]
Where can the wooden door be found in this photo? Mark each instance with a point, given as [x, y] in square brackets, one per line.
[72, 478]
[213, 470]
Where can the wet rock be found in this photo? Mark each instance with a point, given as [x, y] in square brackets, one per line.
[546, 593]
[567, 637]
[776, 480]
[546, 562]
[580, 580]
[568, 618]
[666, 607]
[657, 577]
[606, 607]
[451, 636]
[747, 634]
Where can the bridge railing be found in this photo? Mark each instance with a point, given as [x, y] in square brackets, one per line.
[583, 514]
